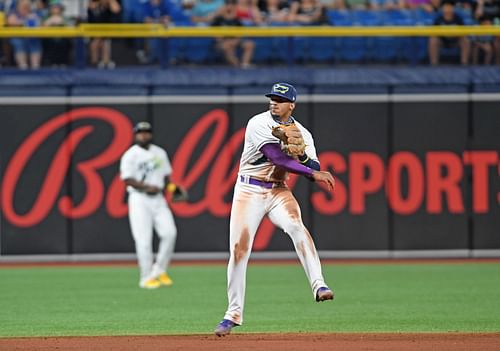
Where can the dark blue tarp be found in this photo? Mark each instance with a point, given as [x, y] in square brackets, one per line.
[217, 80]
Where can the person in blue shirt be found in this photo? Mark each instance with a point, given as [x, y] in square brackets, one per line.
[24, 16]
[157, 11]
[205, 11]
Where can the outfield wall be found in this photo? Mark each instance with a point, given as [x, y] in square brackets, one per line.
[414, 171]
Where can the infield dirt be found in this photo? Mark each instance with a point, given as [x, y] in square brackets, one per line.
[267, 342]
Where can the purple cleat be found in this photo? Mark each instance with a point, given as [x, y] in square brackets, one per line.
[224, 327]
[323, 294]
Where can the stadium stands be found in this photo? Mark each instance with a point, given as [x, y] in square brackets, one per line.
[292, 50]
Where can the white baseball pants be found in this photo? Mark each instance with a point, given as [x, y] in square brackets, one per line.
[145, 213]
[250, 204]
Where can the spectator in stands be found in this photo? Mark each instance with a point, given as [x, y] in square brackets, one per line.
[2, 42]
[491, 10]
[275, 11]
[483, 44]
[57, 49]
[155, 11]
[102, 11]
[41, 8]
[385, 4]
[205, 11]
[7, 6]
[229, 46]
[75, 11]
[25, 47]
[307, 12]
[419, 4]
[350, 4]
[446, 18]
[248, 13]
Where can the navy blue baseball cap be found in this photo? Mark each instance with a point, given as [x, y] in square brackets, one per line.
[283, 90]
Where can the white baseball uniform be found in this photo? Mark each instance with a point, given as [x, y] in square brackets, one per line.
[252, 202]
[149, 211]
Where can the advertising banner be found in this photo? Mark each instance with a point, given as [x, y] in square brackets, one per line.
[410, 175]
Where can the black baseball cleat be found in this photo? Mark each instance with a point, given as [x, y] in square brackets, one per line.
[224, 327]
[323, 294]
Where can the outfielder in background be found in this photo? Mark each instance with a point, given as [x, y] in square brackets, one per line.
[145, 169]
[275, 144]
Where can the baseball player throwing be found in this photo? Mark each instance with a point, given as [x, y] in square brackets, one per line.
[275, 144]
[145, 169]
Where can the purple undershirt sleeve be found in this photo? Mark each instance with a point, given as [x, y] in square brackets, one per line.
[275, 155]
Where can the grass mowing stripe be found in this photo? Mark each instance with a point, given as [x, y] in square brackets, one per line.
[105, 300]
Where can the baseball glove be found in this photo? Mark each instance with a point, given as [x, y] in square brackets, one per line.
[178, 193]
[291, 139]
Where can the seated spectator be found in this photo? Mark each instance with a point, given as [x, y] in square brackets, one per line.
[446, 18]
[429, 6]
[230, 46]
[205, 11]
[155, 11]
[491, 10]
[248, 13]
[307, 12]
[2, 42]
[357, 4]
[385, 4]
[24, 47]
[275, 11]
[41, 8]
[57, 49]
[102, 11]
[483, 44]
[417, 4]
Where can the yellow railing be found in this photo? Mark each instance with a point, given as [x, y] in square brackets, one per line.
[153, 30]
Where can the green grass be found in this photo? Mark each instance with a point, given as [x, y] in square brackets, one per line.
[105, 300]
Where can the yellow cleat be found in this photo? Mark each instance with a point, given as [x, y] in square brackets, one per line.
[151, 284]
[165, 280]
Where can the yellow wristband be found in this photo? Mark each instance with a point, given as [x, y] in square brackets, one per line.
[307, 159]
[171, 187]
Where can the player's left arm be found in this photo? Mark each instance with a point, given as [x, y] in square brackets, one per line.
[274, 154]
[177, 192]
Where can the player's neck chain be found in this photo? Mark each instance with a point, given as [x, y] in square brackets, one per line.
[287, 122]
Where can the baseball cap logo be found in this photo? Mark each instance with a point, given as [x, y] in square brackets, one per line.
[280, 88]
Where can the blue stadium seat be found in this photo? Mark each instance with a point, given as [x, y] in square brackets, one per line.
[366, 17]
[322, 49]
[176, 48]
[388, 48]
[264, 48]
[397, 17]
[292, 49]
[338, 16]
[414, 49]
[198, 50]
[424, 18]
[353, 49]
[385, 49]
